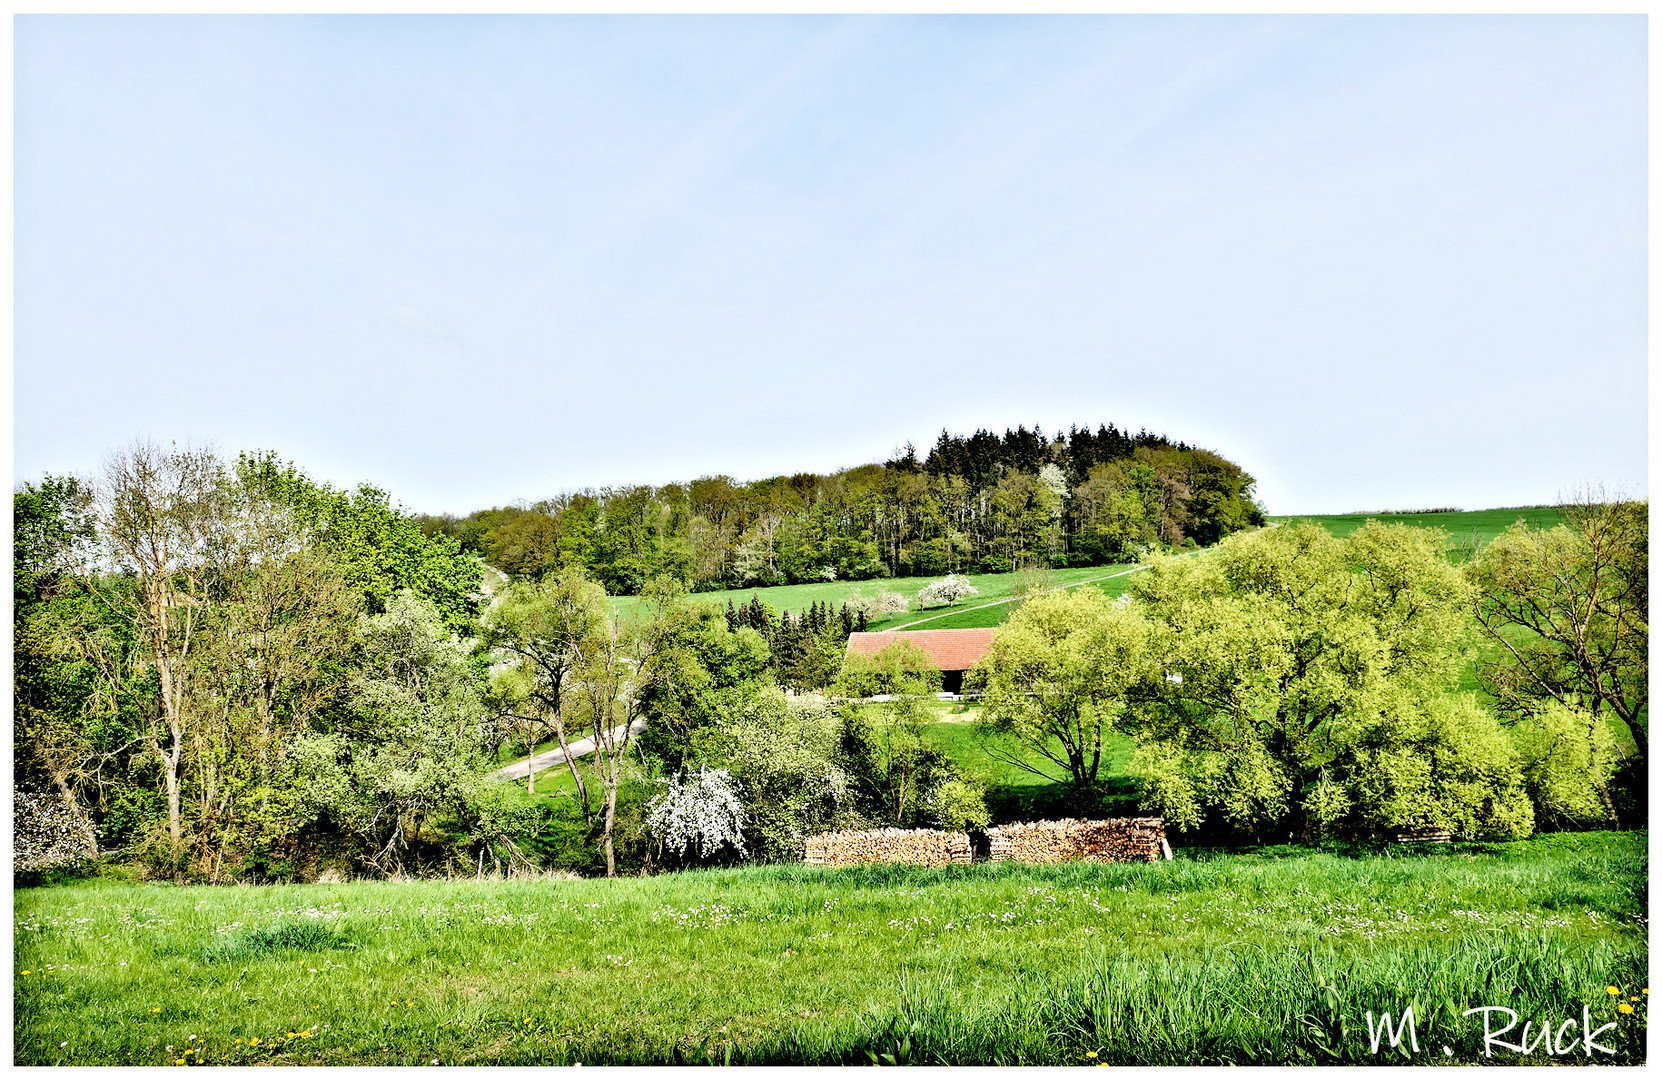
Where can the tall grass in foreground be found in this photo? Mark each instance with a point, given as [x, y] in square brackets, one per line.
[1274, 955]
[1246, 1006]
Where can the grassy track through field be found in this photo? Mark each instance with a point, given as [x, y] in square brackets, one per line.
[1212, 958]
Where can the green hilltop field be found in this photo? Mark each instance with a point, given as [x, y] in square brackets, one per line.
[998, 590]
[1466, 529]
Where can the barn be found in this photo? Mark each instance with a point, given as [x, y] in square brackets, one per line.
[953, 651]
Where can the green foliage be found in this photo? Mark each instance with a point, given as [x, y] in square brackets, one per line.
[414, 746]
[901, 668]
[787, 758]
[1568, 608]
[379, 549]
[957, 803]
[707, 669]
[1056, 679]
[1290, 661]
[984, 503]
[1568, 760]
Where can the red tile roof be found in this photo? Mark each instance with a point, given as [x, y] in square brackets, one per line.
[951, 650]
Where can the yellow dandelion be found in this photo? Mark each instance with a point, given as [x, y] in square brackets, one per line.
[25, 973]
[393, 1002]
[1633, 999]
[181, 1061]
[528, 1019]
[1646, 990]
[1624, 1007]
[253, 1042]
[1613, 991]
[305, 1034]
[1090, 1053]
[152, 1010]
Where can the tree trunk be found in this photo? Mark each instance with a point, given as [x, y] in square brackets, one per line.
[611, 815]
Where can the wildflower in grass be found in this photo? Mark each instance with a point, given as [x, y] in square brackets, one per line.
[1613, 990]
[25, 973]
[1623, 1008]
[254, 1042]
[152, 1010]
[180, 1061]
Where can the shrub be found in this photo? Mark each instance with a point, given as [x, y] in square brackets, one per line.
[698, 817]
[47, 832]
[949, 590]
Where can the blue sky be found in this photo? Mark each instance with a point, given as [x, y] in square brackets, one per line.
[1379, 261]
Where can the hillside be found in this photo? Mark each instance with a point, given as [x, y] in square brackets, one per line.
[981, 504]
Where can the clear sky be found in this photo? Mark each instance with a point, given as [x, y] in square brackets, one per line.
[1381, 262]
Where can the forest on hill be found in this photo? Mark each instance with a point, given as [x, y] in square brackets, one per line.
[982, 503]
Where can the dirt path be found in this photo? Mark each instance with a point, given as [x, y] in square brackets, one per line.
[579, 748]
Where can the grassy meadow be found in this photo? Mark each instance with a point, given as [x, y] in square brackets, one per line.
[998, 590]
[1467, 529]
[1272, 955]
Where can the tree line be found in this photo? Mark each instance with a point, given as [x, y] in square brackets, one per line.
[982, 503]
[225, 670]
[229, 671]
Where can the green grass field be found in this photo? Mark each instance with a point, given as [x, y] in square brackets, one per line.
[1467, 529]
[1266, 956]
[993, 588]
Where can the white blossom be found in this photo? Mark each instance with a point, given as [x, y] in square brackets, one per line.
[700, 815]
[948, 590]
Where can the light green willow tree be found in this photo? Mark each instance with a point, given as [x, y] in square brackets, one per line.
[1058, 677]
[1307, 684]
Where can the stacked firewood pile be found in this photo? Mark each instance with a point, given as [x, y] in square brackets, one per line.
[919, 847]
[1113, 840]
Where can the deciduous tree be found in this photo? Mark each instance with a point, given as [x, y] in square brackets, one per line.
[1567, 610]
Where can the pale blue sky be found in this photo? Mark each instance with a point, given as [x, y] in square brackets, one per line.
[1379, 261]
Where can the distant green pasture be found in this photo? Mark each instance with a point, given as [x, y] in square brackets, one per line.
[992, 588]
[1467, 529]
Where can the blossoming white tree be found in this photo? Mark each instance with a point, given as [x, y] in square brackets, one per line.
[698, 816]
[949, 590]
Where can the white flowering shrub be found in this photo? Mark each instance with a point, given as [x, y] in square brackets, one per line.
[949, 590]
[829, 573]
[46, 832]
[1056, 482]
[698, 816]
[877, 607]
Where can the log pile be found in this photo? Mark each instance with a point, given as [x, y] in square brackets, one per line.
[919, 847]
[1112, 840]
